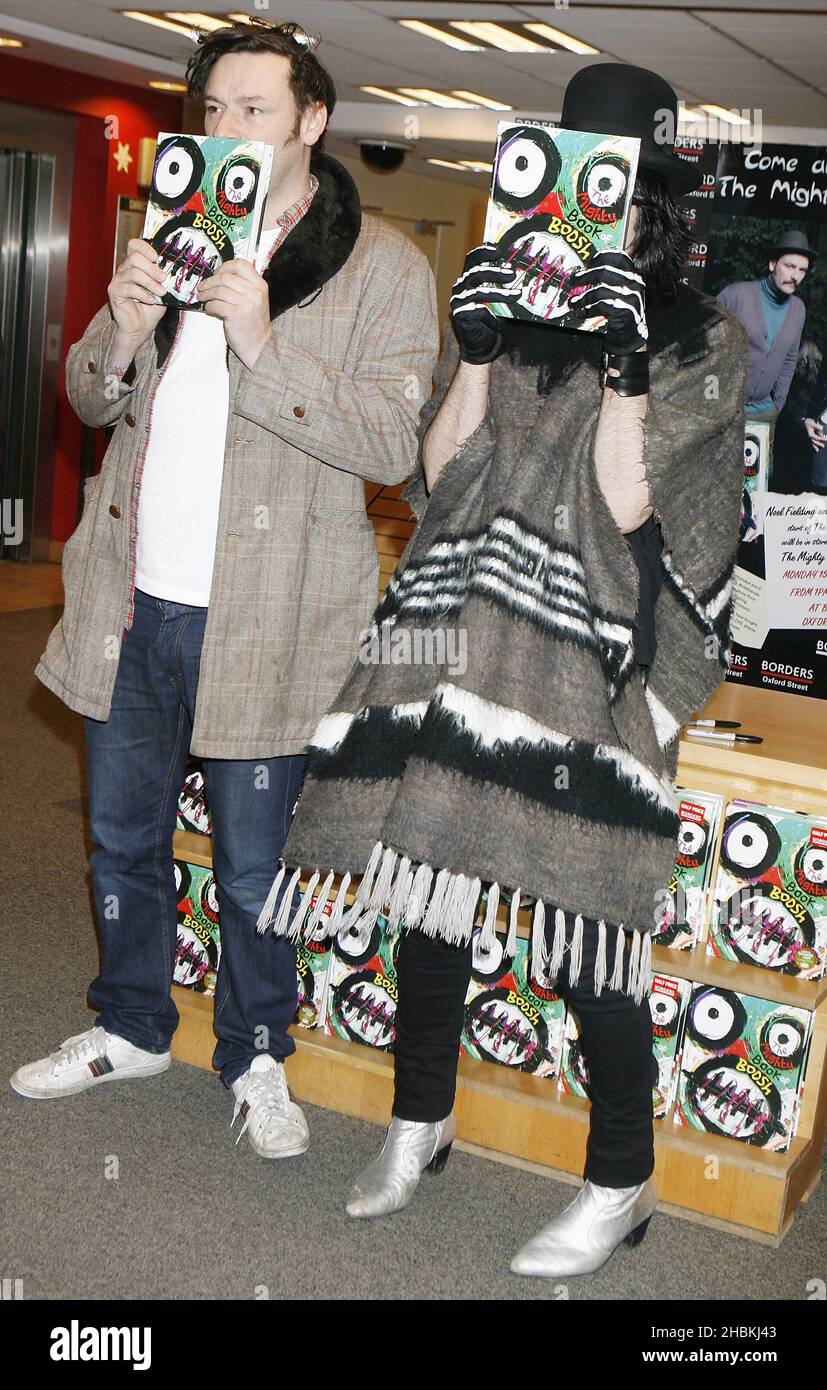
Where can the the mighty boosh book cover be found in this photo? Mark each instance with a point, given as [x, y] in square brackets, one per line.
[770, 905]
[206, 206]
[558, 197]
[742, 1066]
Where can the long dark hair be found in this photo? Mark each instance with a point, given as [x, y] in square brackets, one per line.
[662, 237]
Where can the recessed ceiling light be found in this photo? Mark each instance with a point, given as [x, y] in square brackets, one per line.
[430, 31]
[11, 43]
[547, 31]
[436, 98]
[499, 36]
[169, 86]
[390, 96]
[188, 31]
[482, 101]
[199, 21]
[733, 117]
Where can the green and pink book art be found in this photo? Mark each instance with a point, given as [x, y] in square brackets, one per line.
[558, 198]
[206, 207]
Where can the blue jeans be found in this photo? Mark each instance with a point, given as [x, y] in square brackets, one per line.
[137, 761]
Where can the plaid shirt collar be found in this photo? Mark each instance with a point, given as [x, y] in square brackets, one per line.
[293, 215]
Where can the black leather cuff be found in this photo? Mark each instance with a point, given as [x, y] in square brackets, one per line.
[633, 373]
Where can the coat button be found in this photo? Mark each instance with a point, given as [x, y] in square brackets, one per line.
[130, 420]
[91, 366]
[298, 411]
[115, 511]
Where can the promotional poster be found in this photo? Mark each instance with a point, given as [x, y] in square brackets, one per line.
[558, 197]
[771, 201]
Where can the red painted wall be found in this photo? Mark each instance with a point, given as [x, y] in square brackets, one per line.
[97, 184]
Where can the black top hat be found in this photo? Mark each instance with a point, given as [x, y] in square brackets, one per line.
[793, 240]
[619, 99]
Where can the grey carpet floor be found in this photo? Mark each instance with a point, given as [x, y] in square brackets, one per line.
[137, 1190]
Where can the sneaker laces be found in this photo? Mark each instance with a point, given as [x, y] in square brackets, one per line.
[265, 1092]
[81, 1048]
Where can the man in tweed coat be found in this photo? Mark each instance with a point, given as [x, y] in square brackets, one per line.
[224, 565]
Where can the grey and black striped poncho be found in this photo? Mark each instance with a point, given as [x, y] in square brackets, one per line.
[545, 766]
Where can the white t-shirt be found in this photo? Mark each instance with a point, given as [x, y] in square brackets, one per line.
[181, 483]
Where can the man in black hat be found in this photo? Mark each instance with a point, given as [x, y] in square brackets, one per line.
[774, 320]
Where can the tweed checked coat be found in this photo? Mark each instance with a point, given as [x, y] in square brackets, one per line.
[333, 399]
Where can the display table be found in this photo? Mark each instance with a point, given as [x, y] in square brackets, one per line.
[520, 1119]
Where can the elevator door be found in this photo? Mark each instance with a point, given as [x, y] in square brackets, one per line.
[26, 187]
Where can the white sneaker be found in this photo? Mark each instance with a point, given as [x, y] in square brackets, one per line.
[85, 1061]
[274, 1124]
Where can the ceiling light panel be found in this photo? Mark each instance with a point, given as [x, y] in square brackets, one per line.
[559, 39]
[504, 37]
[441, 35]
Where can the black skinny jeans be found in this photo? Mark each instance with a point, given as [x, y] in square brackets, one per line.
[616, 1034]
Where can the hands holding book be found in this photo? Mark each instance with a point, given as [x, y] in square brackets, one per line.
[484, 280]
[238, 295]
[611, 286]
[134, 300]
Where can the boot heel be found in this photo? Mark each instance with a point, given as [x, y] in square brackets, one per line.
[636, 1236]
[439, 1160]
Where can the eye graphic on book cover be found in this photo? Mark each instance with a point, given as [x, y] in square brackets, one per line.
[729, 1101]
[665, 1011]
[782, 1042]
[366, 1010]
[489, 964]
[183, 879]
[601, 187]
[179, 168]
[543, 264]
[692, 844]
[528, 167]
[750, 845]
[501, 1032]
[716, 1018]
[762, 930]
[752, 456]
[235, 189]
[810, 869]
[357, 944]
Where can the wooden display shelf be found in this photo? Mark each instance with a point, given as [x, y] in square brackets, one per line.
[524, 1120]
[512, 1117]
[792, 760]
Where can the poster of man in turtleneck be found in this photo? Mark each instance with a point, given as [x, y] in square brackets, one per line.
[765, 240]
[773, 315]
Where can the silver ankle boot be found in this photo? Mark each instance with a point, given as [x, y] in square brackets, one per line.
[409, 1150]
[588, 1231]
